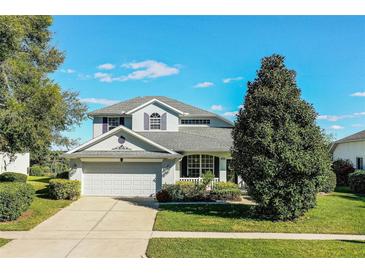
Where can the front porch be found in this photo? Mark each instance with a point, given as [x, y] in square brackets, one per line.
[192, 167]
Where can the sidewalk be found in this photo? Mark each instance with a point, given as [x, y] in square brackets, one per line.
[178, 234]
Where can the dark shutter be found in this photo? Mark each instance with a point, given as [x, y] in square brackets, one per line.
[105, 124]
[163, 121]
[184, 167]
[216, 167]
[146, 121]
[121, 121]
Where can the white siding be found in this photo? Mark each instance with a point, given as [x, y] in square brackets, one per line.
[97, 126]
[112, 142]
[20, 164]
[214, 122]
[350, 151]
[172, 119]
[168, 171]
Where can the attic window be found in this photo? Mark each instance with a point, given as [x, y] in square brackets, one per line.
[195, 121]
[155, 121]
[113, 122]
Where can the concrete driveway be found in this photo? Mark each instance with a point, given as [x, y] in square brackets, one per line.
[93, 227]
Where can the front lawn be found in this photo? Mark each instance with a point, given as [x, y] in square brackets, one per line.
[41, 209]
[248, 248]
[339, 212]
[4, 241]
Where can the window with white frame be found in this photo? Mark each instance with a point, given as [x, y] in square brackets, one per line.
[197, 165]
[155, 121]
[113, 122]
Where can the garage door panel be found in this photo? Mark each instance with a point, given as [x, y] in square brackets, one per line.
[121, 179]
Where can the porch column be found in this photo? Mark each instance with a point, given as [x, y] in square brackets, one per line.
[222, 169]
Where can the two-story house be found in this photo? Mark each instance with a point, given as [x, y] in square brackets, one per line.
[144, 142]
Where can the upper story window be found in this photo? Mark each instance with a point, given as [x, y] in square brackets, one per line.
[113, 122]
[359, 163]
[155, 121]
[195, 122]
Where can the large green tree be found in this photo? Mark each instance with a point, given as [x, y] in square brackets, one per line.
[279, 151]
[34, 110]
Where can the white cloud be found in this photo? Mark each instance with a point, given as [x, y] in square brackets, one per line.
[240, 106]
[228, 80]
[204, 85]
[358, 94]
[358, 125]
[82, 76]
[106, 66]
[68, 71]
[217, 107]
[103, 77]
[148, 69]
[333, 118]
[336, 127]
[230, 113]
[99, 101]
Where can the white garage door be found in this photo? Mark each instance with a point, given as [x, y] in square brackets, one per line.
[121, 179]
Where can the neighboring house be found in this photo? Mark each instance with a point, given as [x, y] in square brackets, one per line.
[351, 148]
[144, 142]
[20, 164]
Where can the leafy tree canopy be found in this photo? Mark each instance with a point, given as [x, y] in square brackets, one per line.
[34, 111]
[279, 151]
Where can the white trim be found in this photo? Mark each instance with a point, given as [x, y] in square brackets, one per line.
[114, 160]
[113, 131]
[142, 160]
[153, 101]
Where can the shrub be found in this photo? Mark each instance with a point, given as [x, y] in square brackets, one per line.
[278, 149]
[357, 182]
[15, 198]
[62, 189]
[13, 177]
[207, 178]
[185, 183]
[226, 194]
[226, 191]
[182, 192]
[328, 182]
[342, 168]
[225, 185]
[37, 170]
[163, 196]
[63, 175]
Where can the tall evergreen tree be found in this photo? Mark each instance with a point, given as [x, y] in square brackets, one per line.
[33, 108]
[278, 149]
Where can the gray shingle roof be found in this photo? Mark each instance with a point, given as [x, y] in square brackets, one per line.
[193, 139]
[354, 137]
[130, 104]
[122, 154]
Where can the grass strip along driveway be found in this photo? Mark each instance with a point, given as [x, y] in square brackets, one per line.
[4, 241]
[247, 248]
[41, 209]
[340, 212]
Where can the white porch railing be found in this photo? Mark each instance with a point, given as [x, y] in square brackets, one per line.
[196, 180]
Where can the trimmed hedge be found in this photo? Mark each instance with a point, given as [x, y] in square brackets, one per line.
[13, 177]
[37, 170]
[62, 189]
[182, 193]
[226, 191]
[357, 182]
[15, 198]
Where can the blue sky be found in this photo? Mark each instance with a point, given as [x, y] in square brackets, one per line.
[207, 60]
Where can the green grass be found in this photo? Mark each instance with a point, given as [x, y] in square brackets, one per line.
[248, 248]
[3, 242]
[339, 213]
[41, 209]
